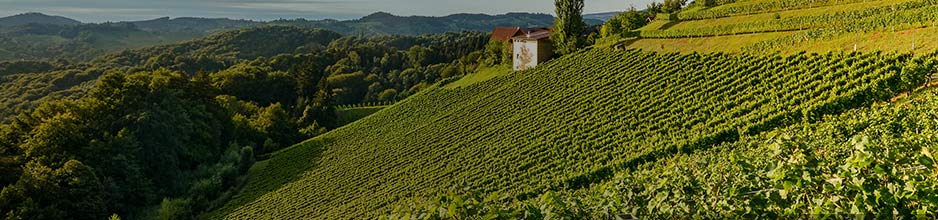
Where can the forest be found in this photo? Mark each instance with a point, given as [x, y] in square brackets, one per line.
[169, 131]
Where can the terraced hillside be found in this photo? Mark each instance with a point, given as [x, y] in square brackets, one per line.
[791, 26]
[573, 122]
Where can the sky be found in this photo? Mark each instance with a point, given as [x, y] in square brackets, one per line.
[133, 10]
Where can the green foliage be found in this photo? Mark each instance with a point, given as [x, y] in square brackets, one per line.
[388, 95]
[568, 27]
[70, 190]
[125, 143]
[184, 133]
[497, 53]
[654, 8]
[274, 122]
[606, 112]
[24, 66]
[673, 6]
[623, 23]
[712, 3]
[256, 84]
[174, 209]
[293, 80]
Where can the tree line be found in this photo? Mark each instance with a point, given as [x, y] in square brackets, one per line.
[178, 126]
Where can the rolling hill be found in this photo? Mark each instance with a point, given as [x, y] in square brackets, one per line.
[657, 126]
[35, 36]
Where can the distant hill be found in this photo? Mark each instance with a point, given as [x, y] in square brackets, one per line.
[79, 42]
[230, 46]
[601, 16]
[36, 18]
[62, 38]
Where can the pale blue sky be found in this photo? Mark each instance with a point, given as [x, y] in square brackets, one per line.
[124, 10]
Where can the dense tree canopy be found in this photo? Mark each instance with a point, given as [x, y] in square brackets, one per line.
[176, 126]
[625, 22]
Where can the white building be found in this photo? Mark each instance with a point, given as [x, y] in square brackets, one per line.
[531, 47]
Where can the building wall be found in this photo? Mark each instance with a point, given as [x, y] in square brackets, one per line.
[545, 50]
[525, 53]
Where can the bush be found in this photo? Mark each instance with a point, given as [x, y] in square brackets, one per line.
[247, 159]
[175, 209]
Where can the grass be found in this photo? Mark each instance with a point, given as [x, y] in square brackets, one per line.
[481, 75]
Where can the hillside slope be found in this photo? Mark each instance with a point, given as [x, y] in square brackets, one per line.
[563, 126]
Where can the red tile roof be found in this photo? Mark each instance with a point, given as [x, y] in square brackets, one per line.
[534, 34]
[508, 33]
[505, 33]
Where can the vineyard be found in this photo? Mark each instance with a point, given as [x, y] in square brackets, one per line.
[905, 15]
[573, 124]
[875, 163]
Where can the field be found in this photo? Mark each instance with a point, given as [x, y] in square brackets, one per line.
[607, 115]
